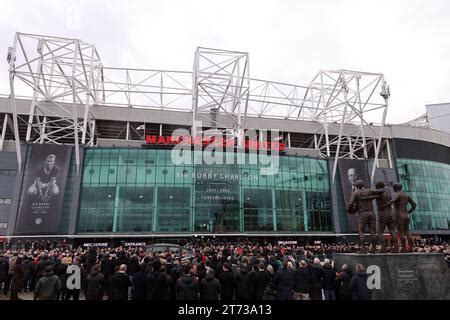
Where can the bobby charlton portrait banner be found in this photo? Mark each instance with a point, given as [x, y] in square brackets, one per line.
[43, 192]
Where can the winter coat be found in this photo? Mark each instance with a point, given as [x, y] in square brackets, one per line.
[133, 266]
[29, 268]
[285, 281]
[118, 286]
[328, 277]
[210, 288]
[18, 277]
[303, 281]
[344, 292]
[47, 287]
[358, 284]
[259, 282]
[317, 276]
[187, 288]
[243, 279]
[106, 267]
[270, 292]
[228, 284]
[40, 267]
[94, 286]
[139, 291]
[157, 284]
[61, 272]
[4, 266]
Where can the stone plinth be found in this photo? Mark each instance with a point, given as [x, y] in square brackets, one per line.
[406, 276]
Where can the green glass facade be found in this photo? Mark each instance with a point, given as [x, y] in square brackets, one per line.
[427, 182]
[127, 190]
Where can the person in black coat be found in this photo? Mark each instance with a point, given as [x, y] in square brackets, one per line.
[4, 267]
[317, 276]
[107, 267]
[358, 284]
[303, 282]
[187, 286]
[284, 280]
[259, 281]
[158, 284]
[94, 284]
[243, 278]
[227, 280]
[210, 288]
[29, 269]
[344, 292]
[139, 291]
[119, 283]
[329, 278]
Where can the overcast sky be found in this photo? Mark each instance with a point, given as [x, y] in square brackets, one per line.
[288, 41]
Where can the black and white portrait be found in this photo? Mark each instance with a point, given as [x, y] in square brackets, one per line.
[45, 185]
[43, 193]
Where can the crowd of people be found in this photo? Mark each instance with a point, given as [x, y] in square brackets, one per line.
[210, 270]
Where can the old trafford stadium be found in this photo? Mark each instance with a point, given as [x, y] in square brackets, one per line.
[106, 156]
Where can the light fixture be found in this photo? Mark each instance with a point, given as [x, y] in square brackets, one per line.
[170, 197]
[109, 196]
[141, 196]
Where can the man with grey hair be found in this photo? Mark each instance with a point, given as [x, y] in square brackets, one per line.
[343, 290]
[358, 284]
[317, 280]
[303, 282]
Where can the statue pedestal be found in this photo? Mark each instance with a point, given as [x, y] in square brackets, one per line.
[406, 276]
[218, 228]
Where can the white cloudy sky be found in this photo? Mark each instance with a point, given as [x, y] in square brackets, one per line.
[288, 41]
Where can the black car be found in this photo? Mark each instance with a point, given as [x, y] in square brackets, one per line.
[174, 249]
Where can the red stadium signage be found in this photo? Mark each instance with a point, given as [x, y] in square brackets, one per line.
[219, 142]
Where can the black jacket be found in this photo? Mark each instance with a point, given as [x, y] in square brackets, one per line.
[303, 281]
[243, 282]
[259, 282]
[158, 285]
[358, 284]
[139, 291]
[285, 282]
[228, 283]
[187, 288]
[270, 292]
[328, 277]
[4, 266]
[94, 285]
[118, 286]
[210, 288]
[107, 267]
[317, 275]
[344, 292]
[133, 266]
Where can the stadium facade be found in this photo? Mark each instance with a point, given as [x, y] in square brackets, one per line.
[92, 151]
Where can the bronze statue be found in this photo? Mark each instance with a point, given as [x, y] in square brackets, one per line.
[401, 200]
[361, 204]
[386, 216]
